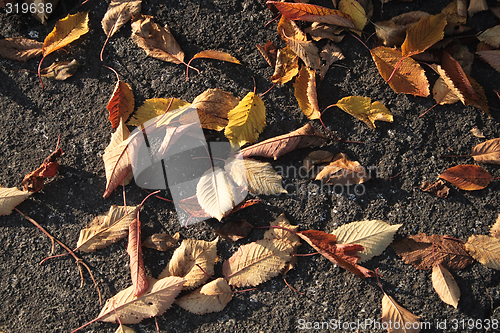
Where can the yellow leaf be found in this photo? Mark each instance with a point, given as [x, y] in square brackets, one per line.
[212, 297]
[66, 31]
[356, 12]
[305, 93]
[10, 198]
[394, 315]
[362, 108]
[287, 66]
[484, 249]
[289, 28]
[445, 285]
[424, 34]
[246, 121]
[152, 108]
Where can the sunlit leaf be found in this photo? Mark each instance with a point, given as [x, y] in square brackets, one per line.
[212, 297]
[66, 31]
[484, 249]
[393, 313]
[427, 32]
[467, 177]
[305, 93]
[363, 109]
[10, 198]
[445, 285]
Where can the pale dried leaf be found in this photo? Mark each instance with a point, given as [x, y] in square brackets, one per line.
[329, 54]
[320, 31]
[10, 198]
[307, 51]
[487, 152]
[20, 48]
[445, 285]
[61, 70]
[124, 329]
[495, 229]
[484, 249]
[343, 171]
[393, 313]
[477, 132]
[305, 93]
[215, 193]
[161, 242]
[286, 236]
[119, 12]
[212, 297]
[492, 57]
[476, 6]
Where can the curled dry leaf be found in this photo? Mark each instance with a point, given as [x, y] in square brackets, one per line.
[35, 180]
[366, 111]
[409, 77]
[10, 198]
[287, 66]
[467, 177]
[66, 31]
[288, 28]
[343, 171]
[305, 93]
[216, 55]
[393, 313]
[106, 229]
[344, 255]
[492, 57]
[495, 229]
[212, 297]
[154, 302]
[317, 157]
[329, 54]
[269, 52]
[61, 70]
[187, 260]
[235, 230]
[438, 188]
[157, 41]
[320, 31]
[393, 32]
[161, 242]
[484, 249]
[427, 32]
[445, 285]
[246, 121]
[424, 251]
[154, 107]
[356, 12]
[134, 250]
[275, 147]
[491, 36]
[119, 12]
[20, 48]
[286, 236]
[375, 236]
[121, 104]
[444, 90]
[307, 51]
[487, 152]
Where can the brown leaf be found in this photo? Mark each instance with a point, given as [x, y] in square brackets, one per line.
[269, 52]
[329, 54]
[343, 171]
[320, 31]
[161, 242]
[491, 36]
[495, 229]
[487, 152]
[392, 32]
[119, 12]
[476, 6]
[285, 235]
[212, 297]
[134, 250]
[10, 198]
[287, 28]
[287, 66]
[216, 55]
[20, 48]
[428, 31]
[35, 180]
[445, 285]
[61, 70]
[306, 50]
[157, 41]
[424, 251]
[343, 255]
[235, 230]
[437, 188]
[275, 147]
[484, 249]
[192, 260]
[192, 207]
[305, 93]
[467, 177]
[393, 313]
[121, 103]
[492, 57]
[317, 157]
[409, 78]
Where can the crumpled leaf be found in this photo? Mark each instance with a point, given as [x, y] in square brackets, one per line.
[235, 230]
[467, 177]
[157, 41]
[477, 132]
[288, 28]
[427, 32]
[492, 57]
[154, 107]
[484, 249]
[356, 12]
[487, 152]
[215, 193]
[161, 242]
[35, 180]
[491, 36]
[106, 229]
[20, 48]
[374, 235]
[329, 54]
[438, 188]
[61, 70]
[306, 50]
[66, 31]
[10, 197]
[269, 52]
[393, 313]
[363, 109]
[154, 302]
[121, 104]
[424, 251]
[246, 121]
[393, 32]
[317, 157]
[212, 297]
[305, 93]
[495, 229]
[320, 31]
[287, 66]
[343, 171]
[119, 12]
[134, 250]
[445, 285]
[275, 147]
[444, 90]
[187, 260]
[409, 77]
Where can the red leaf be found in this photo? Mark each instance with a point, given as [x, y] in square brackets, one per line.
[35, 180]
[134, 250]
[121, 104]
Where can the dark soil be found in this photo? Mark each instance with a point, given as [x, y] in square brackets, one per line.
[48, 297]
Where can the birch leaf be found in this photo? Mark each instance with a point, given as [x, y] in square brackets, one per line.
[66, 31]
[484, 249]
[393, 313]
[305, 93]
[121, 103]
[20, 48]
[491, 36]
[10, 198]
[487, 152]
[366, 111]
[445, 285]
[119, 12]
[212, 297]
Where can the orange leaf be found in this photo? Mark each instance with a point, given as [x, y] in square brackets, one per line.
[428, 31]
[305, 93]
[288, 28]
[313, 13]
[409, 78]
[134, 250]
[35, 180]
[268, 51]
[66, 31]
[287, 66]
[467, 177]
[121, 104]
[217, 55]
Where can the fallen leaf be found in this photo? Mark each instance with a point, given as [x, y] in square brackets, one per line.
[61, 70]
[119, 12]
[192, 261]
[375, 236]
[121, 104]
[465, 58]
[258, 177]
[287, 66]
[161, 242]
[444, 90]
[427, 32]
[317, 157]
[344, 255]
[393, 32]
[307, 51]
[312, 13]
[305, 93]
[35, 180]
[269, 52]
[157, 41]
[445, 285]
[235, 230]
[212, 297]
[10, 197]
[452, 16]
[124, 329]
[154, 107]
[363, 109]
[492, 57]
[275, 147]
[106, 229]
[246, 121]
[20, 48]
[134, 250]
[288, 28]
[216, 55]
[356, 12]
[320, 31]
[393, 313]
[281, 233]
[467, 177]
[438, 188]
[476, 6]
[329, 54]
[343, 171]
[495, 229]
[66, 30]
[484, 249]
[409, 78]
[487, 152]
[477, 133]
[424, 251]
[154, 302]
[215, 193]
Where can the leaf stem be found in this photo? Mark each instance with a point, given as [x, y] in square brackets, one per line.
[395, 69]
[289, 286]
[39, 72]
